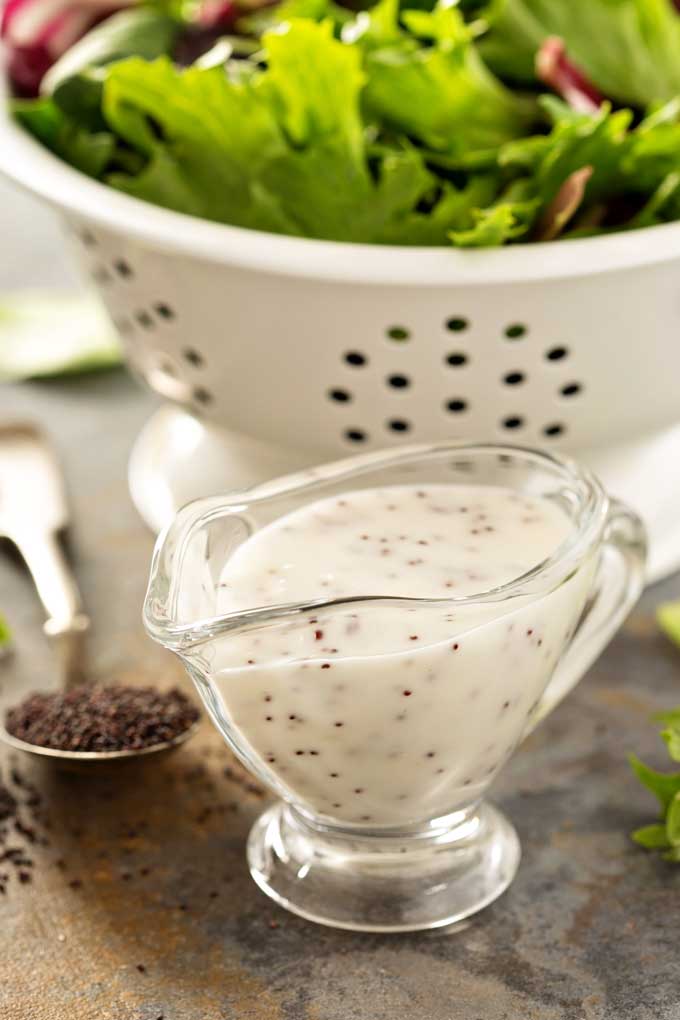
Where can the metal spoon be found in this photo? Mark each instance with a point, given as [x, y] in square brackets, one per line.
[33, 513]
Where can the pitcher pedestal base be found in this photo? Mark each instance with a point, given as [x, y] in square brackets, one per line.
[384, 883]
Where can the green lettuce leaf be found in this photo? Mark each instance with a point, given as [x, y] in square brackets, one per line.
[664, 785]
[628, 48]
[455, 209]
[204, 139]
[499, 224]
[75, 82]
[88, 151]
[671, 732]
[651, 837]
[673, 821]
[431, 83]
[281, 149]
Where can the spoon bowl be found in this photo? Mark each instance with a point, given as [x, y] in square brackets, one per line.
[97, 761]
[33, 515]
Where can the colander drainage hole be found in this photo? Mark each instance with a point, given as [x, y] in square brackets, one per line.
[123, 269]
[355, 358]
[514, 378]
[456, 406]
[163, 310]
[355, 435]
[571, 389]
[457, 324]
[557, 353]
[340, 396]
[457, 359]
[202, 395]
[144, 319]
[398, 382]
[513, 422]
[193, 357]
[399, 425]
[515, 331]
[399, 333]
[554, 430]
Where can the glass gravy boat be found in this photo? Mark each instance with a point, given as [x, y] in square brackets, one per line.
[381, 823]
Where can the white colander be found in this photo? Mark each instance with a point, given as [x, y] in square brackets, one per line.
[323, 348]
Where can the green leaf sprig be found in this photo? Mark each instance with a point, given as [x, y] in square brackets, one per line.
[664, 835]
[5, 634]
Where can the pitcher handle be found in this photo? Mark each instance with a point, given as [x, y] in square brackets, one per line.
[616, 588]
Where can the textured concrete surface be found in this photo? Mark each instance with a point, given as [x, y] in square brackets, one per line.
[147, 870]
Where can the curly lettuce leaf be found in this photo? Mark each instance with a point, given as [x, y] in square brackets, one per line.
[664, 785]
[632, 172]
[88, 151]
[430, 83]
[75, 81]
[508, 220]
[629, 48]
[203, 137]
[454, 209]
[282, 149]
[599, 140]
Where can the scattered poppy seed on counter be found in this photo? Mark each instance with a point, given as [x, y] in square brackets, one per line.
[7, 804]
[19, 800]
[107, 718]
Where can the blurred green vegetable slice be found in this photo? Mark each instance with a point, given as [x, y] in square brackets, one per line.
[46, 333]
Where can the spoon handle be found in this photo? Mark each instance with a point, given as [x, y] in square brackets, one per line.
[66, 621]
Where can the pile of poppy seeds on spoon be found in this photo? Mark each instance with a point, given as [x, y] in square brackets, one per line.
[107, 718]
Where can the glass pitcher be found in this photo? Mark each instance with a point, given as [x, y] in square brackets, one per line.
[380, 773]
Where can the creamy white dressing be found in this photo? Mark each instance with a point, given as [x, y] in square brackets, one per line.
[393, 712]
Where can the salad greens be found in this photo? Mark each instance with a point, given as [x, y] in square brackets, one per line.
[412, 123]
[664, 835]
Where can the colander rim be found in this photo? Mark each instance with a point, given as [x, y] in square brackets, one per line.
[27, 163]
